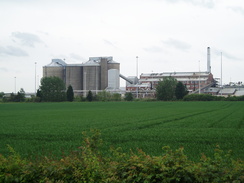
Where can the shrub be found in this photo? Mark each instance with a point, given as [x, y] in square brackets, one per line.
[198, 97]
[89, 165]
[129, 96]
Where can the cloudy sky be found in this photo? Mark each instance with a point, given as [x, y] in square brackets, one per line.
[166, 35]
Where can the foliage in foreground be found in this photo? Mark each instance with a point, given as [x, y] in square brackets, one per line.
[89, 165]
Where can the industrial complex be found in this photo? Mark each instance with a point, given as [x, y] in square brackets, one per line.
[98, 73]
[103, 73]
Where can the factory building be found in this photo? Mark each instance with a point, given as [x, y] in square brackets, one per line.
[102, 73]
[98, 73]
[193, 81]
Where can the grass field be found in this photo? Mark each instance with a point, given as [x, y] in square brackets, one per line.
[36, 129]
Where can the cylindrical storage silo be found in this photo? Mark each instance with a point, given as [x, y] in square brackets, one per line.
[91, 76]
[56, 68]
[74, 76]
[113, 65]
[113, 79]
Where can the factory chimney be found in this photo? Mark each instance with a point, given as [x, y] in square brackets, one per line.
[208, 60]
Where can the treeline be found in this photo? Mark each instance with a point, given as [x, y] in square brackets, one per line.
[53, 89]
[207, 97]
[19, 97]
[88, 164]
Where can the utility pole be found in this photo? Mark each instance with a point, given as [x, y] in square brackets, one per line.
[221, 83]
[137, 66]
[35, 78]
[15, 84]
[137, 76]
[199, 79]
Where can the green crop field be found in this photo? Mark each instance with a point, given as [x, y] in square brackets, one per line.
[53, 129]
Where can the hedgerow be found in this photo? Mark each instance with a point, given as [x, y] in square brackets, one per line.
[89, 165]
[208, 97]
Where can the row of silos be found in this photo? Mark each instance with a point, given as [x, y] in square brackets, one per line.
[92, 75]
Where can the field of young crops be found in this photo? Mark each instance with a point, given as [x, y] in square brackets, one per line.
[35, 129]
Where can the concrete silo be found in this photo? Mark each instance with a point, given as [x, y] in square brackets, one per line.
[98, 73]
[113, 65]
[113, 79]
[74, 76]
[107, 63]
[91, 75]
[56, 68]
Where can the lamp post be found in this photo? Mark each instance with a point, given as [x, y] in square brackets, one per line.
[221, 70]
[199, 79]
[137, 66]
[221, 75]
[35, 78]
[15, 84]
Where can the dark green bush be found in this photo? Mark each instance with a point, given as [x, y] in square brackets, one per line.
[208, 97]
[198, 97]
[89, 165]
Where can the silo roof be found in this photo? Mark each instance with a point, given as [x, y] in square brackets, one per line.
[98, 59]
[56, 63]
[92, 63]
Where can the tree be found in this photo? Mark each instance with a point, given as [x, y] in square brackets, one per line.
[70, 94]
[20, 97]
[1, 94]
[165, 89]
[38, 96]
[128, 96]
[89, 96]
[52, 89]
[104, 96]
[116, 97]
[180, 90]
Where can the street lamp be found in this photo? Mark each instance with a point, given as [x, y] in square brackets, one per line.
[221, 76]
[199, 79]
[15, 84]
[35, 78]
[137, 66]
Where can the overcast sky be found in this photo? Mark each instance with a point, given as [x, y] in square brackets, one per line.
[166, 35]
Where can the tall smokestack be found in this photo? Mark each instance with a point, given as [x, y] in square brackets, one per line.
[208, 60]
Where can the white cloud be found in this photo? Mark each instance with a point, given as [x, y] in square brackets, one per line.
[203, 3]
[107, 42]
[153, 49]
[237, 9]
[181, 45]
[12, 51]
[77, 57]
[27, 39]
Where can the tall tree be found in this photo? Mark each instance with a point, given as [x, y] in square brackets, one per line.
[39, 95]
[128, 96]
[52, 89]
[180, 90]
[20, 97]
[1, 94]
[89, 96]
[70, 94]
[166, 89]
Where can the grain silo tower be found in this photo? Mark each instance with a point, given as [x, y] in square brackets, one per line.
[91, 74]
[107, 63]
[56, 68]
[74, 76]
[113, 79]
[94, 75]
[95, 72]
